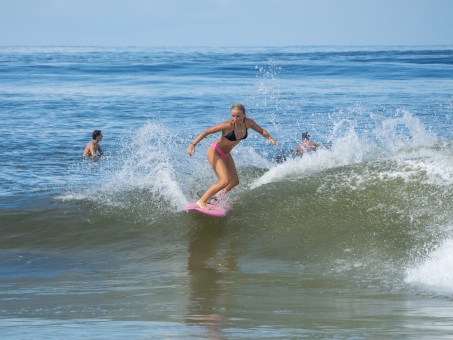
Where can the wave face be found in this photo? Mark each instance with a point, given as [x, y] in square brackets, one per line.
[382, 193]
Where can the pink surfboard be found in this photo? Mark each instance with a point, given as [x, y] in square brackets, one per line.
[212, 210]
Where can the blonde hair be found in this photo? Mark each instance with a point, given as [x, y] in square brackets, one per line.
[239, 107]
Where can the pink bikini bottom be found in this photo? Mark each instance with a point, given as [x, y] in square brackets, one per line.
[220, 152]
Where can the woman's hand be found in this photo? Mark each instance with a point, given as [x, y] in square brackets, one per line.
[272, 141]
[191, 149]
[265, 134]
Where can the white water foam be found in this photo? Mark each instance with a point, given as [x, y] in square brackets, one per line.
[402, 138]
[144, 166]
[434, 274]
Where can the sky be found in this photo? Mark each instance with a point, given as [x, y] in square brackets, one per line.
[217, 23]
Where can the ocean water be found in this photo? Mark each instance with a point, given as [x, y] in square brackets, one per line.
[354, 241]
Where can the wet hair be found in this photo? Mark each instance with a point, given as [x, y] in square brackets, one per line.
[305, 135]
[280, 159]
[96, 133]
[239, 107]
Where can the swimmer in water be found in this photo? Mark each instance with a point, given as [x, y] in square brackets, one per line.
[307, 145]
[93, 146]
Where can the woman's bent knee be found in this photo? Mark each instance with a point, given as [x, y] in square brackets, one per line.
[223, 184]
[234, 183]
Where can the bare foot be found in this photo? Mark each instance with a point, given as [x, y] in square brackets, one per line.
[201, 204]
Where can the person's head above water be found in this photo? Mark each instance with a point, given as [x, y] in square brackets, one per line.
[305, 135]
[96, 133]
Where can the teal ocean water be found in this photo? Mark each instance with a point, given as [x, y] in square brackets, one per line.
[354, 241]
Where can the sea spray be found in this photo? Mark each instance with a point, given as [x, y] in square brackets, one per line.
[351, 144]
[434, 273]
[141, 177]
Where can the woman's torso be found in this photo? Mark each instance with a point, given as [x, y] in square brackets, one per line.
[231, 136]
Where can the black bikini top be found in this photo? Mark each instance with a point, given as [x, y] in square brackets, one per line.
[232, 136]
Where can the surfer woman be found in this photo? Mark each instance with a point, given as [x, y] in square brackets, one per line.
[219, 156]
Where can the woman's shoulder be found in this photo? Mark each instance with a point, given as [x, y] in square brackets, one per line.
[220, 127]
[227, 124]
[249, 121]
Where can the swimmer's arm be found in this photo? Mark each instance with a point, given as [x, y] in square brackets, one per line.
[298, 149]
[100, 151]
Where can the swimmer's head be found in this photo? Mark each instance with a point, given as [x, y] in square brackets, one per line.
[305, 135]
[96, 133]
